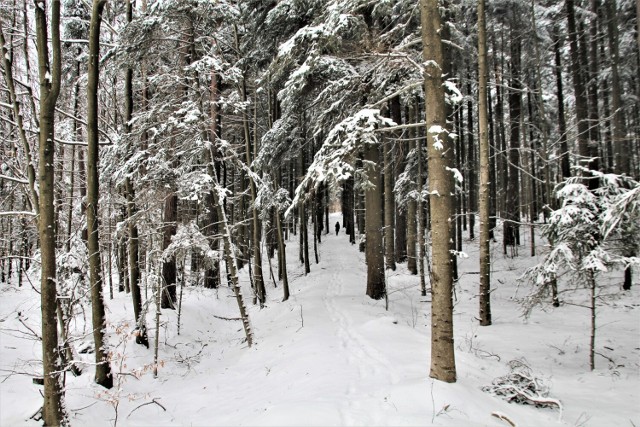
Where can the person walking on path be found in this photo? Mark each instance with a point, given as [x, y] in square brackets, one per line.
[337, 228]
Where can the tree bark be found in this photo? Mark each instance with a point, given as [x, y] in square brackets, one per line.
[50, 78]
[389, 208]
[103, 368]
[565, 165]
[621, 148]
[512, 218]
[441, 203]
[133, 242]
[484, 200]
[373, 223]
[579, 87]
[170, 217]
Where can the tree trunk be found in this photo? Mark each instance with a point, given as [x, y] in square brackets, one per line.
[282, 256]
[441, 203]
[399, 166]
[512, 218]
[17, 117]
[170, 216]
[412, 264]
[565, 165]
[484, 201]
[133, 243]
[231, 263]
[621, 148]
[389, 208]
[373, 223]
[50, 77]
[258, 281]
[578, 85]
[103, 368]
[472, 167]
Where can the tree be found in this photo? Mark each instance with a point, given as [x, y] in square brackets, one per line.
[373, 222]
[131, 209]
[579, 229]
[50, 78]
[440, 196]
[103, 369]
[484, 200]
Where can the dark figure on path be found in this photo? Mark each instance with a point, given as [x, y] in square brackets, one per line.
[337, 228]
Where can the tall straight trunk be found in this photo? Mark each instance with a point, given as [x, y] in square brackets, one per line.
[577, 73]
[420, 222]
[373, 223]
[565, 164]
[169, 273]
[258, 281]
[103, 368]
[592, 86]
[484, 200]
[50, 78]
[212, 273]
[493, 185]
[472, 167]
[503, 172]
[621, 146]
[304, 235]
[282, 256]
[511, 225]
[133, 242]
[400, 162]
[389, 208]
[441, 188]
[412, 264]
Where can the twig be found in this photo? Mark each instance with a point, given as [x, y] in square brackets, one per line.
[147, 403]
[227, 318]
[606, 357]
[35, 334]
[503, 417]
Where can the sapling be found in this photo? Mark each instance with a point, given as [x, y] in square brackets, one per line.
[579, 235]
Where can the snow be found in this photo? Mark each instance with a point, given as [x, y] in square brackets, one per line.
[332, 356]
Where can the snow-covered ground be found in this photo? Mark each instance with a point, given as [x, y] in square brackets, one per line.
[332, 356]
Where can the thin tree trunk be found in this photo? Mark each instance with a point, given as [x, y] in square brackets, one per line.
[484, 201]
[50, 78]
[389, 209]
[621, 147]
[578, 84]
[133, 242]
[420, 252]
[473, 169]
[231, 262]
[282, 256]
[511, 224]
[565, 165]
[103, 368]
[17, 117]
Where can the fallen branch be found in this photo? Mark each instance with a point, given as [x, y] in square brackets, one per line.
[145, 404]
[227, 318]
[503, 417]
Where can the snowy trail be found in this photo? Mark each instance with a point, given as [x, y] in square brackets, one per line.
[344, 287]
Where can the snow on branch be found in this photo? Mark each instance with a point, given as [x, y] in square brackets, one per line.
[13, 179]
[17, 213]
[335, 157]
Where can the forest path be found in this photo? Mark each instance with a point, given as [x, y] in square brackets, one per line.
[343, 300]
